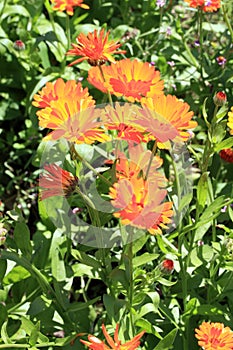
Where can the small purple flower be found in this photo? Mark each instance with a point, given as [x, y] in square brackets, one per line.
[197, 43]
[221, 60]
[200, 243]
[171, 63]
[208, 2]
[169, 31]
[152, 63]
[160, 3]
[174, 86]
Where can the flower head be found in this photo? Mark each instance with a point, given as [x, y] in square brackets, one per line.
[94, 47]
[227, 154]
[131, 79]
[230, 120]
[160, 3]
[56, 181]
[166, 118]
[214, 336]
[139, 200]
[205, 5]
[67, 108]
[95, 343]
[221, 60]
[67, 5]
[122, 118]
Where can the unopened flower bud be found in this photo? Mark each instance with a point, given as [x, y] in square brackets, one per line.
[227, 154]
[19, 45]
[220, 98]
[3, 233]
[167, 266]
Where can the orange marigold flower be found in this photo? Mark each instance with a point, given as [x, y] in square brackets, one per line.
[132, 79]
[230, 120]
[214, 336]
[94, 47]
[122, 118]
[82, 127]
[68, 109]
[56, 182]
[227, 154]
[95, 343]
[205, 5]
[166, 118]
[61, 100]
[67, 5]
[140, 200]
[137, 165]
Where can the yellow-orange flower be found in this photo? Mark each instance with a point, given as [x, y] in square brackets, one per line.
[166, 118]
[139, 200]
[94, 47]
[95, 343]
[214, 336]
[230, 120]
[206, 6]
[131, 79]
[122, 118]
[56, 182]
[68, 109]
[67, 5]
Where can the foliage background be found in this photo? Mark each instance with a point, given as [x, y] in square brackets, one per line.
[47, 293]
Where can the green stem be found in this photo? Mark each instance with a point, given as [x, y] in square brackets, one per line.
[3, 7]
[68, 31]
[228, 23]
[131, 281]
[102, 74]
[88, 165]
[191, 58]
[200, 30]
[151, 159]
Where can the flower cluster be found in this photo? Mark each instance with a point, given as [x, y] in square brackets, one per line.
[138, 191]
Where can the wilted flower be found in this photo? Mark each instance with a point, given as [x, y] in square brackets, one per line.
[67, 5]
[19, 45]
[214, 336]
[220, 98]
[221, 60]
[227, 154]
[95, 48]
[114, 343]
[56, 181]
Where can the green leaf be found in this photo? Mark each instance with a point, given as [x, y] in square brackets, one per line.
[228, 143]
[85, 259]
[144, 259]
[149, 327]
[22, 238]
[202, 191]
[18, 273]
[167, 341]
